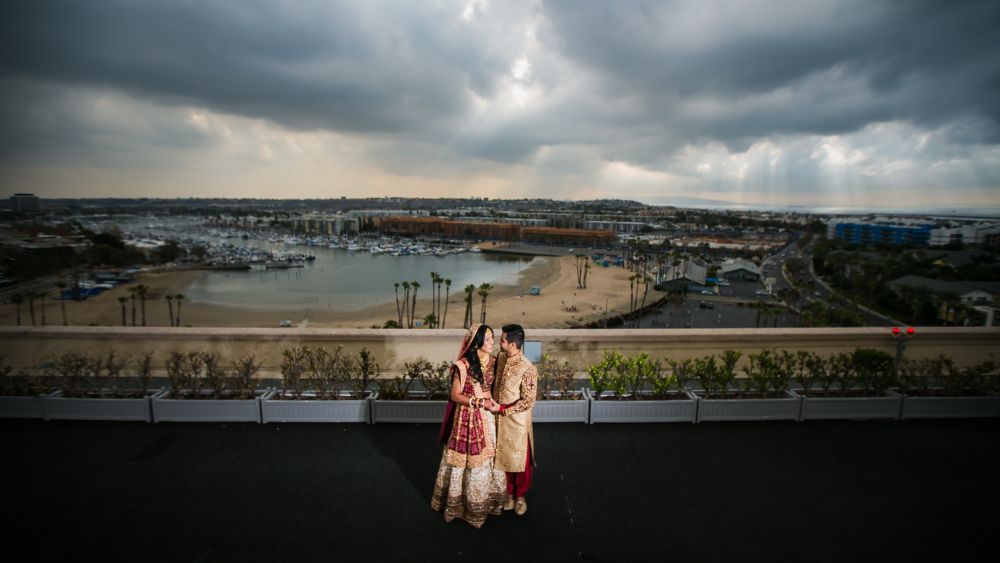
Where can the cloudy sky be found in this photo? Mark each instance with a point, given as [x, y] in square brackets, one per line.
[769, 102]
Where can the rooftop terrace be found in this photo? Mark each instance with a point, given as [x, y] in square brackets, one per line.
[766, 491]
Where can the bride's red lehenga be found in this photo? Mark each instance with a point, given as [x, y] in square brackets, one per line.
[467, 486]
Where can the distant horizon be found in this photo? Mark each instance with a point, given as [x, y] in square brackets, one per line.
[956, 212]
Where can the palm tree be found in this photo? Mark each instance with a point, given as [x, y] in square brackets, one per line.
[42, 295]
[434, 281]
[180, 298]
[141, 290]
[413, 309]
[430, 320]
[469, 290]
[170, 305]
[399, 309]
[123, 300]
[17, 300]
[447, 290]
[437, 310]
[132, 291]
[62, 285]
[406, 303]
[484, 291]
[632, 294]
[645, 292]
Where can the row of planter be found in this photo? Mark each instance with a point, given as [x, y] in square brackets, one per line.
[160, 406]
[793, 406]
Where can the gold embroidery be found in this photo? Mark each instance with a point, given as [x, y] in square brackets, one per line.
[472, 491]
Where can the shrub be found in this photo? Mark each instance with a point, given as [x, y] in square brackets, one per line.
[873, 370]
[683, 373]
[367, 370]
[554, 375]
[245, 380]
[194, 372]
[294, 363]
[601, 374]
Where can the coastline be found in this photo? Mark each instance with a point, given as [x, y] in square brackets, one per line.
[554, 308]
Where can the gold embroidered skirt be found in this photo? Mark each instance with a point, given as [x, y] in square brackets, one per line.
[469, 493]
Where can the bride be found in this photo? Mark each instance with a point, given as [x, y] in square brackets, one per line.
[467, 486]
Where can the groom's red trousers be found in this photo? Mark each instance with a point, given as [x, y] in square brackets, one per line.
[519, 483]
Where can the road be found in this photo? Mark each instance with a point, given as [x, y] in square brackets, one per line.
[813, 289]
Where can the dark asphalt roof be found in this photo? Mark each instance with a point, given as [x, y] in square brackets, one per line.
[764, 491]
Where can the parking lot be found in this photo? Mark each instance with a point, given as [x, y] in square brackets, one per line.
[732, 307]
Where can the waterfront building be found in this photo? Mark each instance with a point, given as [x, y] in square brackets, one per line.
[894, 232]
[339, 224]
[617, 226]
[494, 230]
[25, 203]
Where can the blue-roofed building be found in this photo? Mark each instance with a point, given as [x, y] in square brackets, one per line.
[871, 232]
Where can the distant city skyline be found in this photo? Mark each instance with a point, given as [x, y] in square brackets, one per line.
[765, 103]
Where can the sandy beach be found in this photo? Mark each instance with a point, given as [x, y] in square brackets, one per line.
[560, 304]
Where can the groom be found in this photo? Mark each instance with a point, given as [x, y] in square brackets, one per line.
[515, 388]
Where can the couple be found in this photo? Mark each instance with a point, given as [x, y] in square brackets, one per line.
[487, 463]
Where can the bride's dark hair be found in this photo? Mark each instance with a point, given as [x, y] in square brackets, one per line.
[472, 354]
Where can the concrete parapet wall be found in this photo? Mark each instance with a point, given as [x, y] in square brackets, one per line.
[31, 347]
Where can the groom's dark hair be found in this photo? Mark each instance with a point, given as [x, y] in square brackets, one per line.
[515, 334]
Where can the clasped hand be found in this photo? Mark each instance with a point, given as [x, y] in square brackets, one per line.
[491, 405]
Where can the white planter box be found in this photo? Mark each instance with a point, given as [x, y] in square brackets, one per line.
[407, 411]
[615, 410]
[780, 408]
[562, 410]
[23, 407]
[166, 409]
[309, 410]
[950, 407]
[58, 407]
[850, 408]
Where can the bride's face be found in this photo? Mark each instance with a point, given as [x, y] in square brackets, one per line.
[487, 342]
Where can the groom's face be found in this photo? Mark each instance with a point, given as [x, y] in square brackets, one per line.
[504, 343]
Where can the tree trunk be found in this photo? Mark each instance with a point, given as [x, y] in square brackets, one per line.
[399, 309]
[406, 308]
[413, 308]
[444, 317]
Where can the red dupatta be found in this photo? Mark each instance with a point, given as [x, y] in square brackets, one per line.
[469, 437]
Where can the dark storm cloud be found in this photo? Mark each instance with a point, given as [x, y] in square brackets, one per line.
[788, 67]
[625, 80]
[339, 65]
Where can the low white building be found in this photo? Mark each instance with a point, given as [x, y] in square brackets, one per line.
[740, 269]
[977, 233]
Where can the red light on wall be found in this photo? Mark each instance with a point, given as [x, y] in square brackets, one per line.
[895, 331]
[910, 331]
